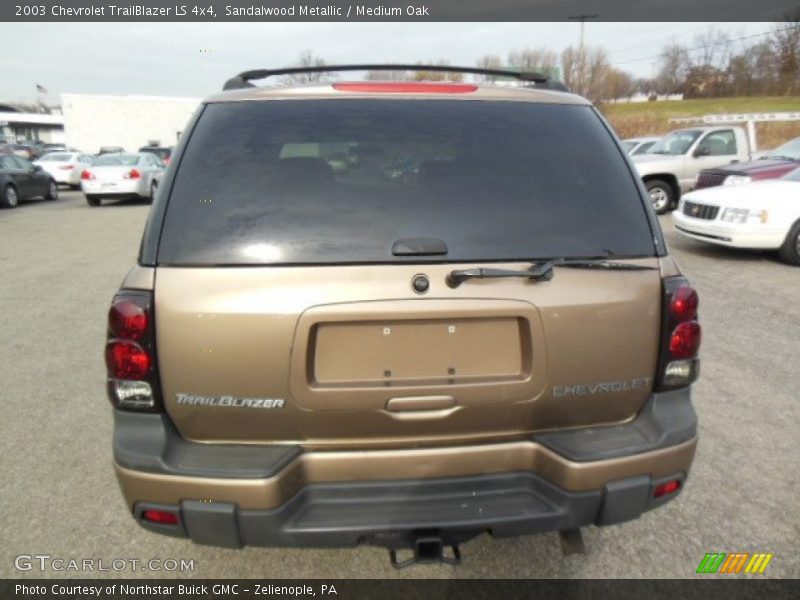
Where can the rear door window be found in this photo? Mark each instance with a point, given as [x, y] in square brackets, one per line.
[339, 181]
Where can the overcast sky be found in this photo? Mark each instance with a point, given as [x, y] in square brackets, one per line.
[194, 59]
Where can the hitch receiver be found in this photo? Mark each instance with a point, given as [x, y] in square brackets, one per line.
[427, 550]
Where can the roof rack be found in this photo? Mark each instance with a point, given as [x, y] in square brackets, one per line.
[242, 80]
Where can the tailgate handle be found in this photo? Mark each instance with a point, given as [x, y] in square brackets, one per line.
[420, 403]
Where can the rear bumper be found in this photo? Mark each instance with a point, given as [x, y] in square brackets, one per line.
[133, 187]
[242, 495]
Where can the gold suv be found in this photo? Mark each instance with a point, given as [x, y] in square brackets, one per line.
[401, 314]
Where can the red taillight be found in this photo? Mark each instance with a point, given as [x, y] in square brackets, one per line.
[126, 360]
[162, 517]
[685, 340]
[683, 306]
[127, 320]
[87, 175]
[406, 87]
[132, 174]
[66, 167]
[667, 488]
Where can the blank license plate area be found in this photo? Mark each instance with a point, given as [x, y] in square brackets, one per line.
[415, 352]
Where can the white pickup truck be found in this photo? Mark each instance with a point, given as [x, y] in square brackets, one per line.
[671, 166]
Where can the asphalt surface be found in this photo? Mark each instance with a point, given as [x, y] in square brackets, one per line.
[60, 264]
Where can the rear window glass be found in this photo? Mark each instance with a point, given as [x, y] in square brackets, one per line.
[116, 160]
[161, 153]
[339, 181]
[56, 157]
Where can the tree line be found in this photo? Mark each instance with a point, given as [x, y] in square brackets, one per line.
[714, 64]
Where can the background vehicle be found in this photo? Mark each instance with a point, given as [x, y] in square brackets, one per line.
[638, 145]
[762, 214]
[25, 151]
[773, 164]
[20, 179]
[163, 152]
[122, 176]
[671, 166]
[65, 167]
[110, 150]
[404, 360]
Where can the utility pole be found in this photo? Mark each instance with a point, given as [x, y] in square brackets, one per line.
[582, 19]
[580, 88]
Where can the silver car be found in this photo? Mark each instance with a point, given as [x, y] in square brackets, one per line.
[122, 176]
[65, 167]
[638, 145]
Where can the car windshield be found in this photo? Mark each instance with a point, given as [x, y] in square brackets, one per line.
[792, 175]
[675, 143]
[116, 160]
[790, 150]
[56, 157]
[340, 181]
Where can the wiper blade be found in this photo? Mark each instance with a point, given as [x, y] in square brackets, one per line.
[542, 271]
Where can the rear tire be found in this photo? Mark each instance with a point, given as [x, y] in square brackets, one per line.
[153, 190]
[92, 200]
[52, 191]
[790, 250]
[662, 196]
[9, 199]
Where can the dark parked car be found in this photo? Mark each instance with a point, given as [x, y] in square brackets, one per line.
[162, 152]
[773, 165]
[20, 179]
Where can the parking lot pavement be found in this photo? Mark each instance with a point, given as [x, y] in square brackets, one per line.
[60, 263]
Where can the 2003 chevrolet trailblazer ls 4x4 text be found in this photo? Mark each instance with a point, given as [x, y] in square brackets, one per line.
[400, 314]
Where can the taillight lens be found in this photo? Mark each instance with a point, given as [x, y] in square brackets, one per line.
[683, 306]
[87, 175]
[681, 335]
[162, 517]
[667, 488]
[130, 352]
[132, 174]
[127, 320]
[126, 360]
[685, 340]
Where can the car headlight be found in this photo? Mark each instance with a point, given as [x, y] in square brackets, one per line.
[737, 179]
[744, 215]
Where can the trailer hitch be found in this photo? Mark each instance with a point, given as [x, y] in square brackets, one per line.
[429, 549]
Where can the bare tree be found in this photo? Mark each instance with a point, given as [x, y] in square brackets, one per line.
[424, 75]
[307, 59]
[675, 64]
[489, 61]
[540, 60]
[785, 41]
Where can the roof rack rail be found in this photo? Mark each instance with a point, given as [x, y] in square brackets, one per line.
[242, 80]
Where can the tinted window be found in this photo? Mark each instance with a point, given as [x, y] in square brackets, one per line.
[6, 162]
[332, 181]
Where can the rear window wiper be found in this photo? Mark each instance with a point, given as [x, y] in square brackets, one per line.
[542, 271]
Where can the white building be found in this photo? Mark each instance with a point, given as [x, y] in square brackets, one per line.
[92, 121]
[17, 126]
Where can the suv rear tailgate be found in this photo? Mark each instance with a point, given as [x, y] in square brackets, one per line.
[359, 360]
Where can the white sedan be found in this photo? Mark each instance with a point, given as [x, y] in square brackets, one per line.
[762, 214]
[65, 167]
[122, 176]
